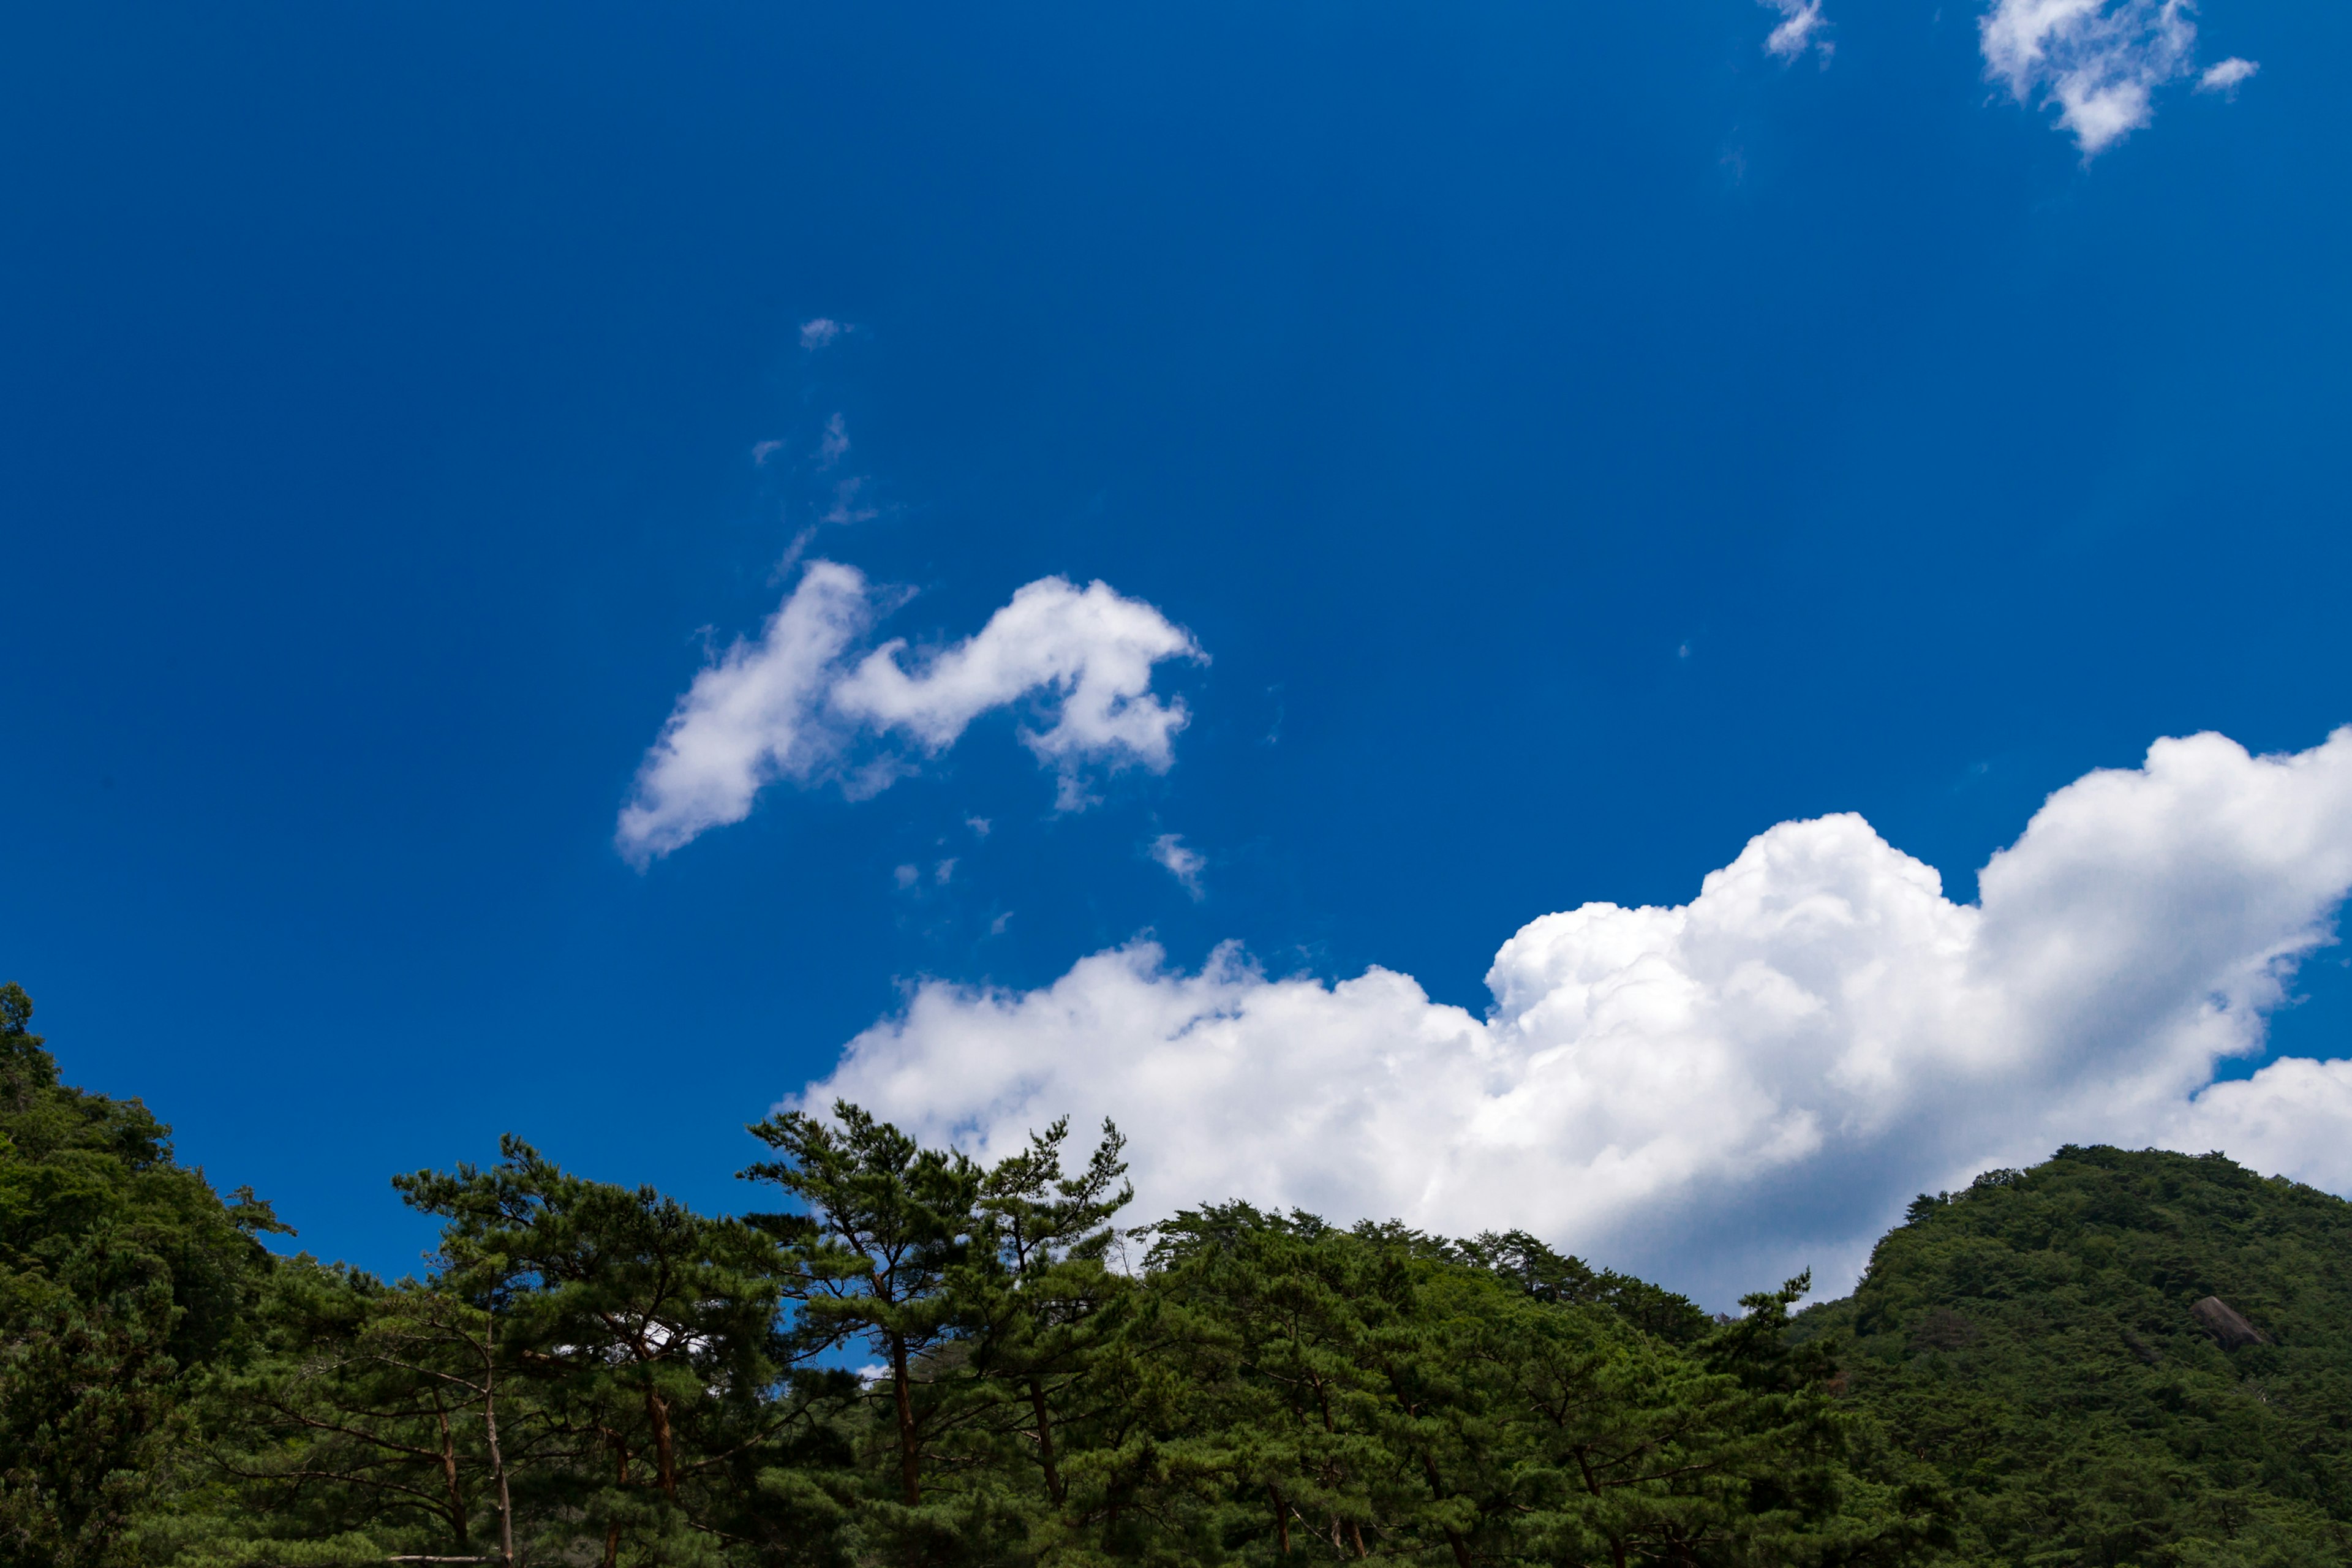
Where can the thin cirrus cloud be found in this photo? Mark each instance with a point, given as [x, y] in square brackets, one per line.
[1801, 24]
[1168, 851]
[2099, 62]
[801, 704]
[1723, 1092]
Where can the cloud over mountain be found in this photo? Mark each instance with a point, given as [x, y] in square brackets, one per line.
[1726, 1090]
[800, 705]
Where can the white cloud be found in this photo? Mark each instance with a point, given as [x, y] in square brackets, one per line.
[2099, 62]
[755, 715]
[1184, 864]
[2225, 77]
[1722, 1092]
[1093, 648]
[794, 706]
[820, 332]
[1800, 20]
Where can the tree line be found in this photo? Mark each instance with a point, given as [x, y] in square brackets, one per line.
[906, 1358]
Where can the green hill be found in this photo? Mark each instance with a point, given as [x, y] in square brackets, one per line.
[2115, 1358]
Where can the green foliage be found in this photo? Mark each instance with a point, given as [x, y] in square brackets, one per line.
[121, 1275]
[927, 1363]
[592, 1373]
[2031, 1344]
[886, 1224]
[1380, 1393]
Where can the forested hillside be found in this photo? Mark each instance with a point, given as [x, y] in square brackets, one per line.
[902, 1357]
[2117, 1358]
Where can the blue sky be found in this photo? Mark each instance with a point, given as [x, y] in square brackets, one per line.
[1577, 439]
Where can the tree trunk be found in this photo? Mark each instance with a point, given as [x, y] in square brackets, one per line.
[910, 1476]
[620, 1479]
[490, 1436]
[664, 1455]
[449, 1477]
[1054, 1487]
[1453, 1536]
[1281, 1520]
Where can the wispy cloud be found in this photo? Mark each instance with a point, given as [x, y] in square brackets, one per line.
[848, 503]
[1728, 1090]
[821, 332]
[797, 705]
[1185, 865]
[834, 445]
[1801, 27]
[2099, 62]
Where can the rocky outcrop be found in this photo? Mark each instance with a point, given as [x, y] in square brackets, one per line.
[2230, 1330]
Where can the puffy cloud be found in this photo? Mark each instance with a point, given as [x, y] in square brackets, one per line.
[755, 715]
[1092, 647]
[820, 332]
[796, 706]
[1800, 20]
[1185, 865]
[1722, 1092]
[2097, 62]
[2297, 1111]
[2225, 77]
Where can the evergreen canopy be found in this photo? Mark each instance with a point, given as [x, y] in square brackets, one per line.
[925, 1361]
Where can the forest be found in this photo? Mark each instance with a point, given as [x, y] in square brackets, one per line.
[902, 1357]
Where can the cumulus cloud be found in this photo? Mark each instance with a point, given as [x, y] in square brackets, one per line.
[798, 705]
[820, 332]
[1724, 1091]
[1801, 22]
[1185, 865]
[2226, 76]
[1092, 648]
[2097, 62]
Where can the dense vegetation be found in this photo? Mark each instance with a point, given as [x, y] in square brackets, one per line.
[918, 1360]
[2036, 1344]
